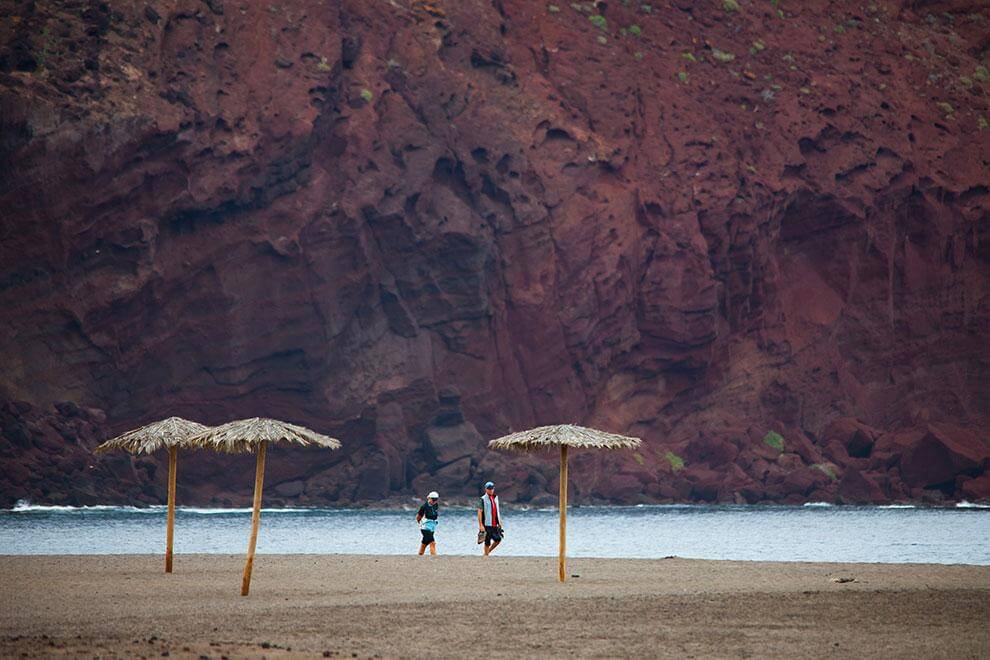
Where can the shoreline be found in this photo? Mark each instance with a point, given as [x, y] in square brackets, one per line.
[306, 605]
[156, 556]
[804, 534]
[458, 505]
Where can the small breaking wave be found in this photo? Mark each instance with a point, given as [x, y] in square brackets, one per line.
[818, 504]
[24, 506]
[971, 505]
[212, 512]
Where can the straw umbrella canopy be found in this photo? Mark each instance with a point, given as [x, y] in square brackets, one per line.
[247, 435]
[564, 436]
[172, 433]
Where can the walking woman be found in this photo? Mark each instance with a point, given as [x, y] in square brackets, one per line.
[427, 519]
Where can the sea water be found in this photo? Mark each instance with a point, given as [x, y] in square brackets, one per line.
[959, 534]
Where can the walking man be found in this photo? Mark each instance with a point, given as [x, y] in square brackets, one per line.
[427, 517]
[489, 519]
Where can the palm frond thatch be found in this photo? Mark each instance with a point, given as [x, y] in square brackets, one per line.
[170, 432]
[564, 434]
[243, 435]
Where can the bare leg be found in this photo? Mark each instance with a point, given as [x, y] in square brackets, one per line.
[494, 545]
[433, 548]
[422, 548]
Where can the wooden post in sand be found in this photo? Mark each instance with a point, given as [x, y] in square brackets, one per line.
[171, 433]
[254, 434]
[170, 523]
[565, 435]
[259, 478]
[562, 560]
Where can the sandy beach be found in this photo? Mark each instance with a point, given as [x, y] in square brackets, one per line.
[360, 606]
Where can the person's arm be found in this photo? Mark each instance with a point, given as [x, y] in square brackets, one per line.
[419, 515]
[481, 519]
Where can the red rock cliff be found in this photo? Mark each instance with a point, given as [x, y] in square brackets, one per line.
[753, 233]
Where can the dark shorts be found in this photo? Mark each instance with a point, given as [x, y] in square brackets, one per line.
[492, 535]
[427, 537]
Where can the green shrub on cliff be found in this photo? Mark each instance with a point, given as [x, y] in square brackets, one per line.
[730, 5]
[827, 469]
[598, 21]
[722, 55]
[48, 48]
[775, 440]
[676, 462]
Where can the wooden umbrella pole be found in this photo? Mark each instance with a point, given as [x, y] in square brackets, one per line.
[170, 523]
[259, 478]
[562, 560]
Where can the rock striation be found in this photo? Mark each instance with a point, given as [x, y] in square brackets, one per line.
[754, 235]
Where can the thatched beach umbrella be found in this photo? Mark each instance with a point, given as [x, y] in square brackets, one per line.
[244, 435]
[173, 433]
[564, 435]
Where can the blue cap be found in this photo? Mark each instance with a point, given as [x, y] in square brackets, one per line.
[489, 484]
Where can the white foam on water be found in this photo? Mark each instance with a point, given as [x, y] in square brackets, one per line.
[971, 505]
[220, 511]
[23, 506]
[818, 504]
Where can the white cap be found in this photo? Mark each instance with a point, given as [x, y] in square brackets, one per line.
[434, 495]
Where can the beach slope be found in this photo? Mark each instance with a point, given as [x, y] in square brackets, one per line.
[332, 605]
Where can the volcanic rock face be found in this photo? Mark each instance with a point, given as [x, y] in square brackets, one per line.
[756, 238]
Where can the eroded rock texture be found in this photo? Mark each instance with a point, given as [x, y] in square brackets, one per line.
[757, 238]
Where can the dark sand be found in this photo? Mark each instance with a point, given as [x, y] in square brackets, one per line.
[504, 606]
